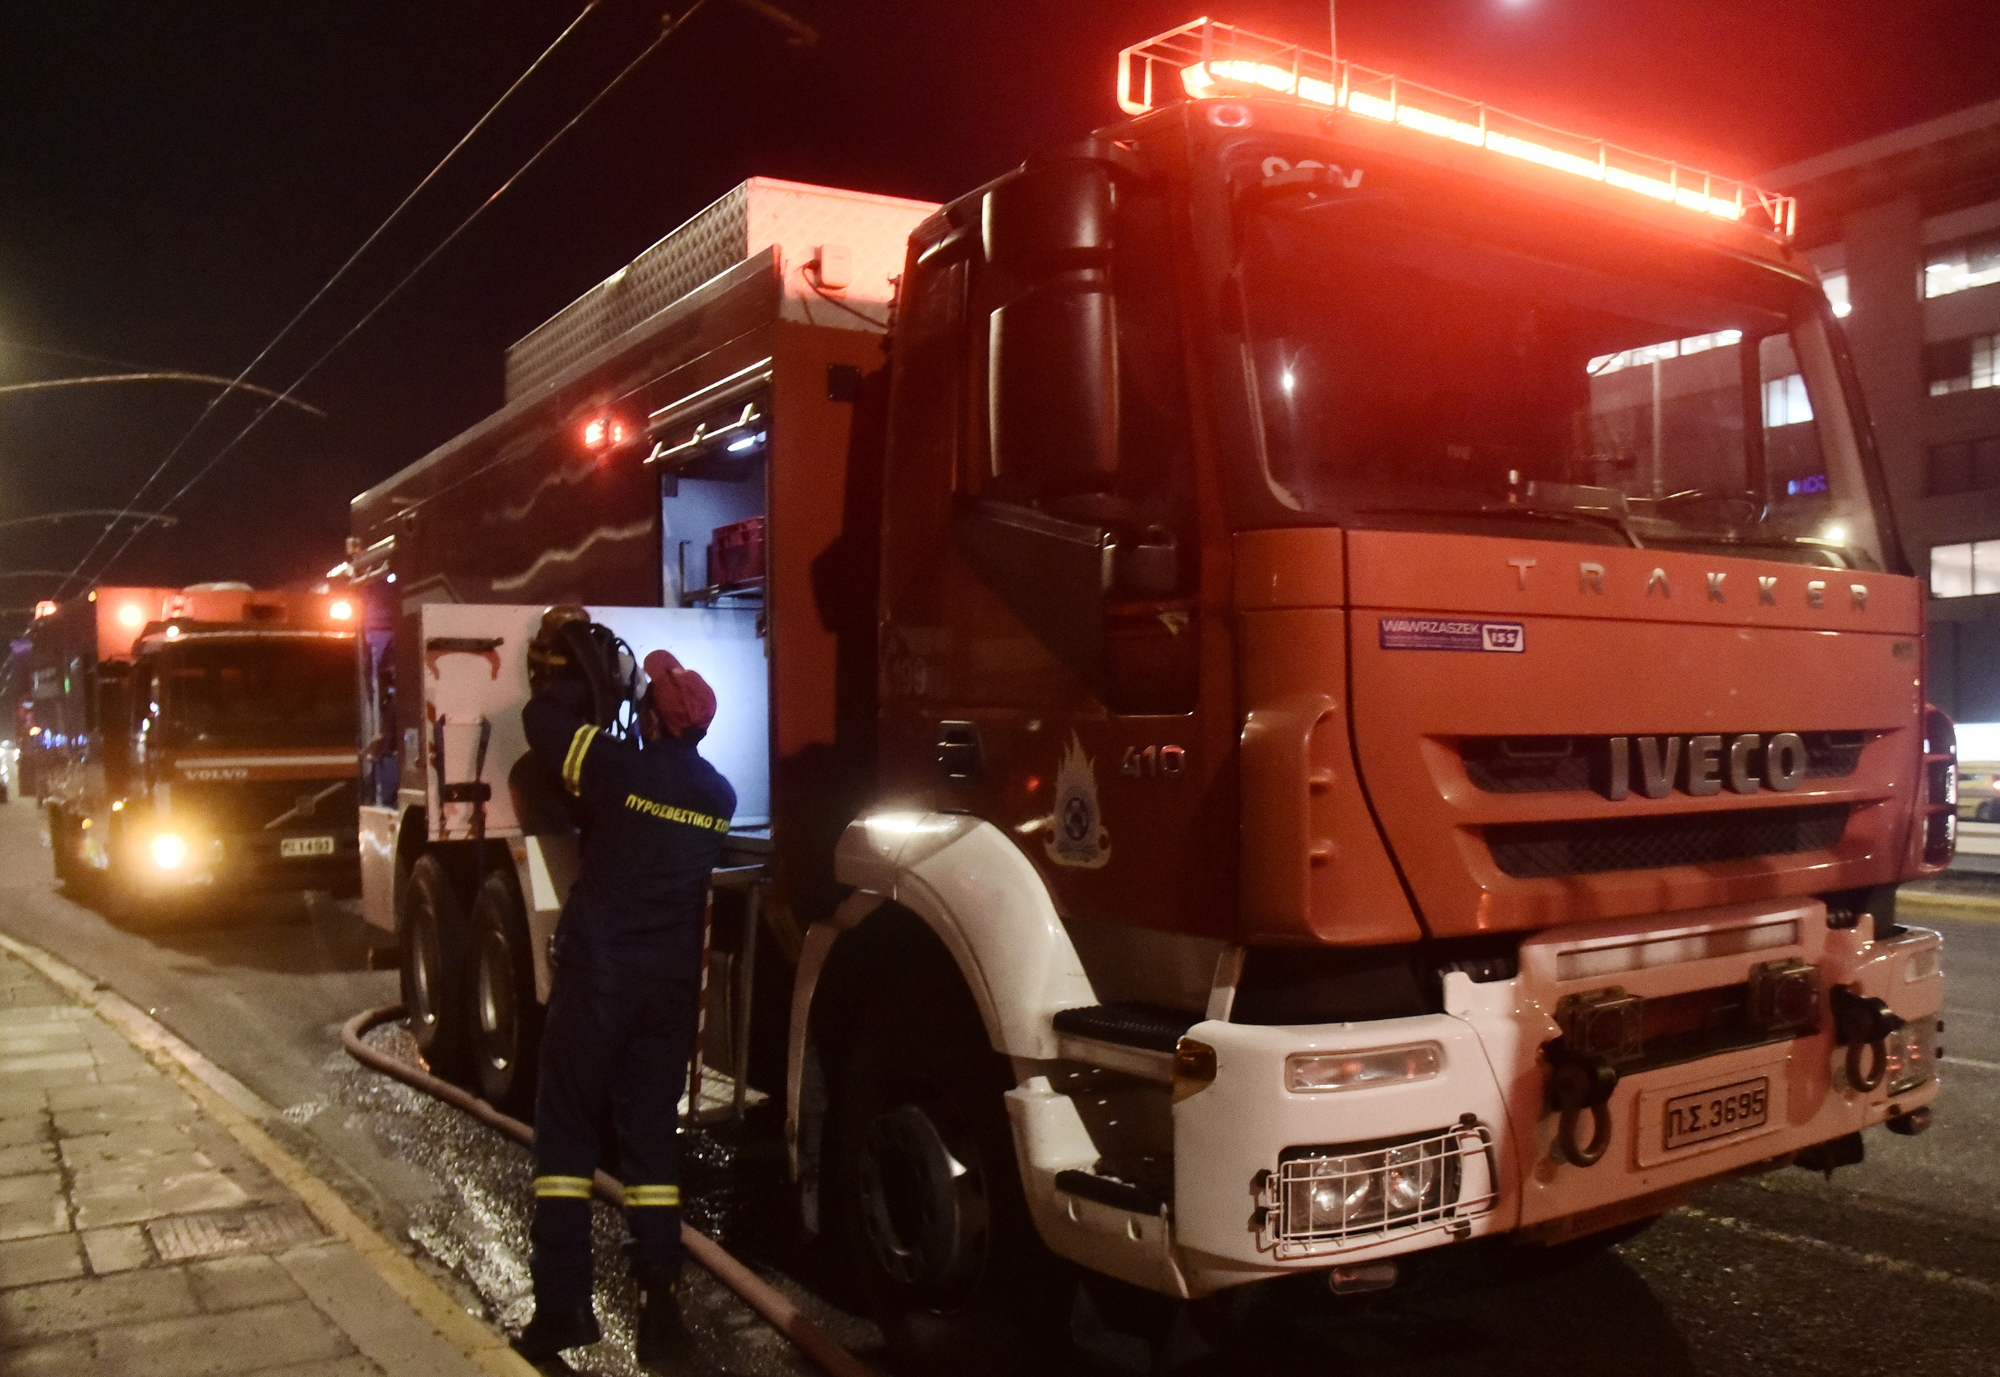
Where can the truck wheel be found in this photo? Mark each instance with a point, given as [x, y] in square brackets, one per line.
[506, 1022]
[434, 968]
[927, 1195]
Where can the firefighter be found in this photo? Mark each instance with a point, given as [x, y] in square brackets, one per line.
[621, 1016]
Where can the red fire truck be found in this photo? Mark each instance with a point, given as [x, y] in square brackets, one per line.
[1334, 680]
[191, 738]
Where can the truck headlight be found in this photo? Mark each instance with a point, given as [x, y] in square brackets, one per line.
[1311, 1072]
[1325, 1194]
[169, 851]
[1912, 1056]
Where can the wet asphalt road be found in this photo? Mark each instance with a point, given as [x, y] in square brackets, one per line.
[1892, 1267]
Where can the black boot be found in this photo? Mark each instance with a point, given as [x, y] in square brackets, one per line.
[554, 1329]
[664, 1342]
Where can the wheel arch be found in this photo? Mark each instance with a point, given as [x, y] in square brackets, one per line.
[936, 887]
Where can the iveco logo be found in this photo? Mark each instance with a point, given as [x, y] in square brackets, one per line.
[213, 775]
[1700, 765]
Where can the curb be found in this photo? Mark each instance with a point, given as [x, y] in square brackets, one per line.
[1969, 908]
[238, 1109]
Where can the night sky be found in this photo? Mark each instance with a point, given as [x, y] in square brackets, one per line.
[177, 179]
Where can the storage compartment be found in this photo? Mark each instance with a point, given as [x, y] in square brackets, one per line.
[736, 553]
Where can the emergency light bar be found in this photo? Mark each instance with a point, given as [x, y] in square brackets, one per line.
[1204, 60]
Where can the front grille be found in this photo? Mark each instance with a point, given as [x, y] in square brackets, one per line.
[1552, 764]
[1539, 850]
[249, 805]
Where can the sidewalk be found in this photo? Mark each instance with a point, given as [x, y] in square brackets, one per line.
[148, 1226]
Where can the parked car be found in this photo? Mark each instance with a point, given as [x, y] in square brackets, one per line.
[1979, 791]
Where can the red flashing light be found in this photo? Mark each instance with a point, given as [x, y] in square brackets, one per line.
[606, 432]
[341, 611]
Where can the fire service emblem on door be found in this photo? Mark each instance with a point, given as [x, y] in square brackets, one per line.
[1077, 836]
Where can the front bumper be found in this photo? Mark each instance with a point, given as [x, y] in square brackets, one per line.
[326, 857]
[1487, 1110]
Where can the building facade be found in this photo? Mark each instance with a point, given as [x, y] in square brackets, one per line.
[1905, 228]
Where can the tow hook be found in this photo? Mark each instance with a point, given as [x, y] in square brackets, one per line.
[1863, 1024]
[1577, 1083]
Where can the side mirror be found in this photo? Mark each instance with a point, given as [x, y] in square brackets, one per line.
[1049, 218]
[1052, 384]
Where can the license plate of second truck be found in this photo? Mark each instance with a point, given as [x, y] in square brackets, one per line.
[313, 846]
[1706, 1114]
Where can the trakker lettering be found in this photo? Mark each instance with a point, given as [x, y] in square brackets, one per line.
[1592, 577]
[1704, 765]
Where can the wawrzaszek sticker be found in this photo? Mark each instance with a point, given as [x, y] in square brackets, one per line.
[1439, 633]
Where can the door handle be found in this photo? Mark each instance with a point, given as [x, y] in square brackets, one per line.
[958, 752]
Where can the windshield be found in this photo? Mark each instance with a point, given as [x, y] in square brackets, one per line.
[265, 691]
[1476, 374]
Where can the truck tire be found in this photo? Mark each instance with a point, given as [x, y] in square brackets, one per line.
[435, 964]
[506, 1023]
[926, 1194]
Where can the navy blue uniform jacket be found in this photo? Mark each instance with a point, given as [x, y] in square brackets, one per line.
[657, 820]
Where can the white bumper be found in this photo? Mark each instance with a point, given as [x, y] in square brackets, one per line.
[1486, 1109]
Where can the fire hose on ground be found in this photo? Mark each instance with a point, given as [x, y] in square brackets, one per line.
[782, 1314]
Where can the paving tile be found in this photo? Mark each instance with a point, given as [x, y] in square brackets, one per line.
[356, 1366]
[241, 1341]
[147, 1099]
[71, 1307]
[23, 1128]
[50, 1014]
[13, 1102]
[82, 1060]
[379, 1322]
[35, 1187]
[236, 1283]
[120, 1070]
[120, 1248]
[27, 1157]
[51, 1257]
[27, 1218]
[28, 1044]
[50, 1080]
[130, 1192]
[63, 1358]
[82, 1123]
[130, 1142]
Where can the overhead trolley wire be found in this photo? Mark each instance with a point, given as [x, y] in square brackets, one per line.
[670, 26]
[320, 295]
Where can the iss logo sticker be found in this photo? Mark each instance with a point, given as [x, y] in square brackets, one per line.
[1440, 633]
[1077, 835]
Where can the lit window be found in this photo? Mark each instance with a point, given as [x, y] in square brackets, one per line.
[1962, 365]
[1835, 286]
[1962, 571]
[1963, 265]
[1785, 402]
